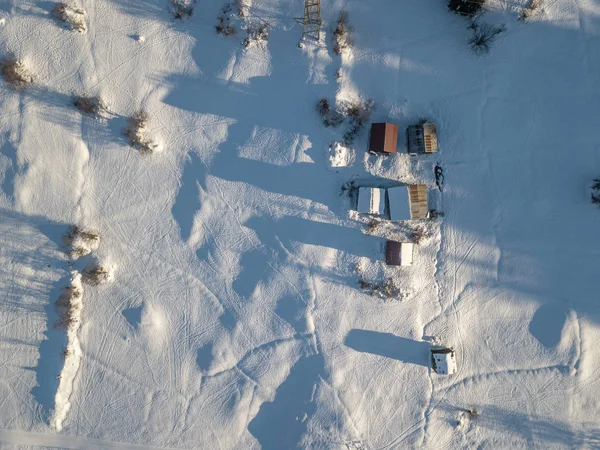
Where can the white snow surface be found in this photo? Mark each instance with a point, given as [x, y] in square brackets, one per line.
[235, 319]
[399, 203]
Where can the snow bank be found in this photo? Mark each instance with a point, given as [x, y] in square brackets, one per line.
[72, 356]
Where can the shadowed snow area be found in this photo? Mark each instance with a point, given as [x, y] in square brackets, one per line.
[234, 318]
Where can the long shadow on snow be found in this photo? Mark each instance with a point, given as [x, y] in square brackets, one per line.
[9, 151]
[389, 345]
[50, 360]
[187, 201]
[280, 424]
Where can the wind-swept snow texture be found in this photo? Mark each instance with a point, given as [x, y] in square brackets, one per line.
[235, 319]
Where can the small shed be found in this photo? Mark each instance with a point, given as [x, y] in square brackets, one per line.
[443, 360]
[398, 253]
[384, 138]
[408, 202]
[422, 138]
[371, 200]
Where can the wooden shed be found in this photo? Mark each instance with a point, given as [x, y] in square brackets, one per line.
[408, 202]
[398, 253]
[443, 360]
[384, 138]
[422, 138]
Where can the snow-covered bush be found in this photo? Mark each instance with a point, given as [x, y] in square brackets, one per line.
[71, 17]
[182, 9]
[68, 306]
[224, 25]
[530, 10]
[467, 8]
[387, 289]
[136, 132]
[258, 32]
[14, 73]
[331, 117]
[88, 105]
[359, 113]
[484, 36]
[342, 35]
[95, 274]
[80, 242]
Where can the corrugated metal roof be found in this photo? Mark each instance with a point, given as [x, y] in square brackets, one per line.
[422, 138]
[371, 200]
[384, 138]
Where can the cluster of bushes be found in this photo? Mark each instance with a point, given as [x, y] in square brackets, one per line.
[387, 289]
[224, 25]
[596, 192]
[137, 132]
[182, 9]
[256, 33]
[483, 34]
[356, 113]
[67, 307]
[71, 17]
[530, 10]
[14, 73]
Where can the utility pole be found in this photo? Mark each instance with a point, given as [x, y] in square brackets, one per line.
[311, 25]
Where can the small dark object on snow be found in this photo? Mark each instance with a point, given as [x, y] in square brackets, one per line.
[439, 176]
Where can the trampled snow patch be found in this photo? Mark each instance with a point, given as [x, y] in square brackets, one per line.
[341, 156]
[72, 355]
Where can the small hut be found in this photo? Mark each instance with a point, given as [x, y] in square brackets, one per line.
[422, 138]
[408, 202]
[443, 360]
[384, 138]
[371, 200]
[398, 253]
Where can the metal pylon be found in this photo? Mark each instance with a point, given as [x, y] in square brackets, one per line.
[311, 25]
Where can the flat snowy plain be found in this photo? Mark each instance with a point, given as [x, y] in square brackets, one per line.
[234, 319]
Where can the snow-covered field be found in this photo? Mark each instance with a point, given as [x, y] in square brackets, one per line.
[233, 317]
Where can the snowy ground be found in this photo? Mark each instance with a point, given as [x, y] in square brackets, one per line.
[234, 318]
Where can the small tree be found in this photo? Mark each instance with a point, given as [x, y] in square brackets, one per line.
[66, 305]
[484, 36]
[467, 8]
[95, 274]
[330, 116]
[359, 113]
[136, 132]
[15, 74]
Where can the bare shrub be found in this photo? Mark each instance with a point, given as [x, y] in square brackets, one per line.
[182, 9]
[372, 225]
[359, 113]
[71, 17]
[387, 289]
[95, 274]
[66, 305]
[88, 105]
[241, 7]
[342, 35]
[418, 235]
[14, 73]
[596, 199]
[80, 242]
[484, 36]
[136, 132]
[256, 33]
[467, 8]
[331, 117]
[224, 25]
[529, 10]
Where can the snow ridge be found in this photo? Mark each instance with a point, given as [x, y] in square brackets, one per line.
[72, 357]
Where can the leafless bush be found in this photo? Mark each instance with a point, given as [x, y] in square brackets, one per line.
[342, 35]
[66, 307]
[484, 36]
[372, 225]
[136, 132]
[596, 192]
[14, 73]
[88, 105]
[359, 113]
[95, 274]
[331, 117]
[418, 235]
[467, 8]
[65, 353]
[256, 33]
[182, 9]
[224, 25]
[530, 10]
[387, 289]
[80, 242]
[240, 7]
[71, 17]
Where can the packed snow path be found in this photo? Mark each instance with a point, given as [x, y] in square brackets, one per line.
[234, 319]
